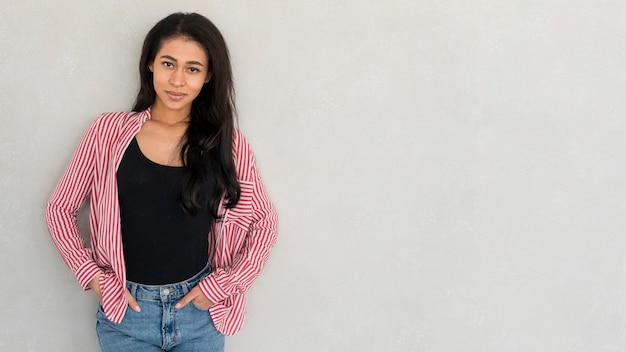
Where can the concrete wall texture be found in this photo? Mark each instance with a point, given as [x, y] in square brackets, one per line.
[449, 174]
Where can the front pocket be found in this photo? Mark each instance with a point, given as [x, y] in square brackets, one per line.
[198, 308]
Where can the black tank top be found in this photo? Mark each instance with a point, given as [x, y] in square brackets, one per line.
[162, 243]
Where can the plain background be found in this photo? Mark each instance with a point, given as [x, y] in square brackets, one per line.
[449, 174]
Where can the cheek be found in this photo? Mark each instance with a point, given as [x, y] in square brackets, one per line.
[159, 79]
[196, 85]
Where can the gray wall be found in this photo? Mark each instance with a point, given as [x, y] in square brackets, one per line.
[449, 174]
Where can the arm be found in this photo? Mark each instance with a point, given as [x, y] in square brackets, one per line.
[68, 196]
[248, 262]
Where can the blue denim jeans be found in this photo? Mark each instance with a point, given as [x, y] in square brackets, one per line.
[159, 326]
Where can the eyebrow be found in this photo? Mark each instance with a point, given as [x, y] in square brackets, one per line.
[188, 62]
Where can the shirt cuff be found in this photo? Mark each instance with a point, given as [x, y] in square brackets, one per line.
[211, 288]
[86, 272]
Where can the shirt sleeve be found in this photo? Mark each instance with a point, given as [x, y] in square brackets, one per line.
[260, 237]
[69, 195]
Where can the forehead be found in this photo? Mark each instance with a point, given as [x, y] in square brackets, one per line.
[182, 49]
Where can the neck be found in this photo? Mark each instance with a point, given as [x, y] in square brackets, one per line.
[169, 117]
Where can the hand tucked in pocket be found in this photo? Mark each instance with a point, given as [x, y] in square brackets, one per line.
[198, 298]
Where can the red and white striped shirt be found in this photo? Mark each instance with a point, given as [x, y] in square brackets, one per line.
[240, 241]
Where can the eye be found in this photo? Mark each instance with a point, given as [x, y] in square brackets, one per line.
[167, 64]
[194, 70]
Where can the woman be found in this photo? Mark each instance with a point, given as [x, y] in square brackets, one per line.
[180, 221]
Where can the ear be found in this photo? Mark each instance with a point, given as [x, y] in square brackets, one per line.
[151, 66]
[208, 77]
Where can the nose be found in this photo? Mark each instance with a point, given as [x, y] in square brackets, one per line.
[177, 78]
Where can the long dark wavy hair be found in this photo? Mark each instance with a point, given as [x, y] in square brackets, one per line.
[208, 140]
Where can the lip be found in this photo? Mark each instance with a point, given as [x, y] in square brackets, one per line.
[176, 96]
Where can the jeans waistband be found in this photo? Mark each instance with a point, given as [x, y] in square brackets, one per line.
[159, 292]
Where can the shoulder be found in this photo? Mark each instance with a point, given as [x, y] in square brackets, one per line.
[117, 118]
[239, 140]
[242, 154]
[113, 122]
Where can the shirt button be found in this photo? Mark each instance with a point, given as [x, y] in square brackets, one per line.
[166, 291]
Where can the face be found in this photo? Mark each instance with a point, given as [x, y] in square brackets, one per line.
[180, 70]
